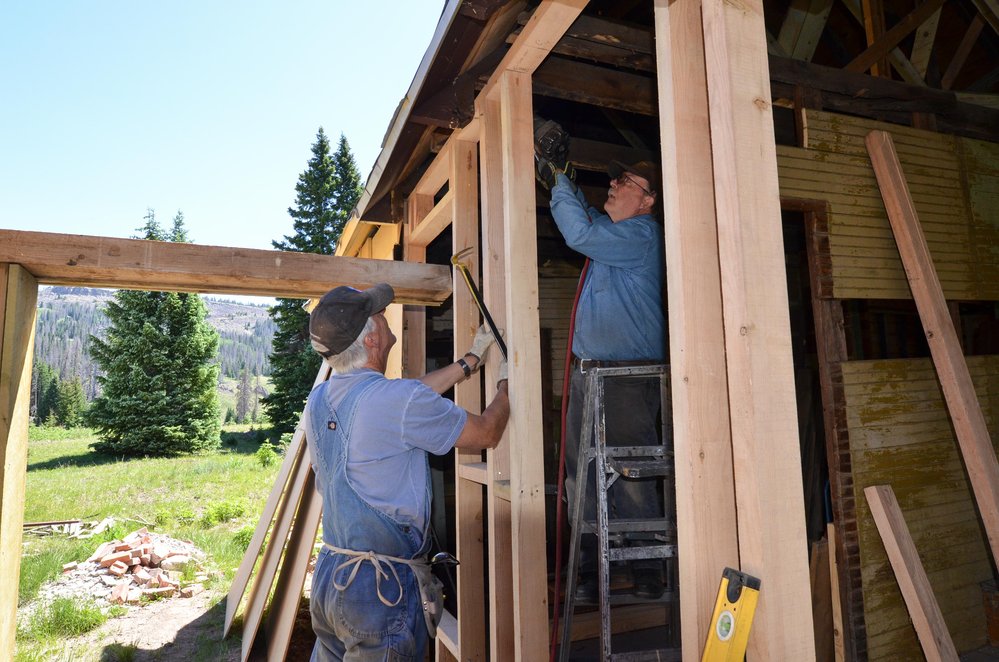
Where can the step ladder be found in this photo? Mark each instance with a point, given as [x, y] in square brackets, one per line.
[613, 463]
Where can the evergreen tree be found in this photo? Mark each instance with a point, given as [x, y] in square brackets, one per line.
[158, 388]
[178, 232]
[44, 390]
[326, 192]
[70, 403]
[243, 396]
[152, 228]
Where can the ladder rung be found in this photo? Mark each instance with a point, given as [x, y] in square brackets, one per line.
[622, 597]
[642, 468]
[661, 655]
[641, 525]
[637, 553]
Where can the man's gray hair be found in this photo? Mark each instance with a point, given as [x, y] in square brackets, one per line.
[355, 356]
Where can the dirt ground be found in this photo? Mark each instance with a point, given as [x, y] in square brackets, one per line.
[188, 630]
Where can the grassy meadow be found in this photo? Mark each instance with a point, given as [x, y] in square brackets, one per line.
[213, 500]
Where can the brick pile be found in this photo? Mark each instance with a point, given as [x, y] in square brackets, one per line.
[140, 565]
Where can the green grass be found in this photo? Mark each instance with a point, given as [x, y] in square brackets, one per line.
[208, 499]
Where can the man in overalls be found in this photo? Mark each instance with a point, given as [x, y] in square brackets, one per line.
[368, 438]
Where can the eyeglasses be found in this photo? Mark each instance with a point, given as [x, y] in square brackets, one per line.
[625, 177]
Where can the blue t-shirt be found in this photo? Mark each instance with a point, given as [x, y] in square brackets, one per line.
[620, 311]
[395, 425]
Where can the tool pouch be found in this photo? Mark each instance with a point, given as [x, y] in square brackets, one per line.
[431, 596]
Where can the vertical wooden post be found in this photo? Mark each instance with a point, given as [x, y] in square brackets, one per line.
[414, 350]
[18, 302]
[464, 182]
[765, 447]
[705, 495]
[501, 607]
[527, 480]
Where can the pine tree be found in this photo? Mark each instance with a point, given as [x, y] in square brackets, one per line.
[327, 192]
[243, 396]
[44, 388]
[70, 403]
[158, 388]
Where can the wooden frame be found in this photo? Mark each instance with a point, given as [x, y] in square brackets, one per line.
[64, 259]
[705, 495]
[18, 303]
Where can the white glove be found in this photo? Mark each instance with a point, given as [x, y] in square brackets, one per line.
[483, 340]
[501, 376]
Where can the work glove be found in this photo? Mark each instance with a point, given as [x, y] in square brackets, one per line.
[501, 376]
[551, 152]
[482, 342]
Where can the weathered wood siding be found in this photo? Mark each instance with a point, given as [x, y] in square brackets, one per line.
[955, 187]
[900, 434]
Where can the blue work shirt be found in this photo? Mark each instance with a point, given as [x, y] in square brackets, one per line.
[620, 311]
[394, 426]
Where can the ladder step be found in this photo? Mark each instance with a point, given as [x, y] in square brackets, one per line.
[661, 655]
[642, 468]
[658, 525]
[637, 553]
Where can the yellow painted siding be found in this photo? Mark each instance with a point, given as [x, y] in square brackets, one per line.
[900, 434]
[954, 184]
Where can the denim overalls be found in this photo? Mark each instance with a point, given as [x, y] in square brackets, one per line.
[375, 616]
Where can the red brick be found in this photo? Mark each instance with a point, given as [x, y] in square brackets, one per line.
[69, 566]
[112, 558]
[191, 591]
[103, 550]
[119, 593]
[118, 568]
[167, 591]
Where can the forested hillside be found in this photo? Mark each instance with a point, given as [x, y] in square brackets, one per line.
[67, 316]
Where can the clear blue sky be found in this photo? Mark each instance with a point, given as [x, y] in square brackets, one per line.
[208, 107]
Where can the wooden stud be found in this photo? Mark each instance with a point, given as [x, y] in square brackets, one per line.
[922, 45]
[912, 580]
[288, 589]
[839, 650]
[822, 617]
[56, 259]
[892, 37]
[874, 29]
[414, 351]
[264, 579]
[705, 497]
[491, 176]
[906, 69]
[435, 222]
[18, 303]
[765, 447]
[952, 368]
[989, 9]
[527, 479]
[962, 52]
[469, 516]
[292, 458]
[802, 27]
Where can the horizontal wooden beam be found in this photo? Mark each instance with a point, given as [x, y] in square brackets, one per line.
[137, 264]
[561, 78]
[882, 99]
[595, 155]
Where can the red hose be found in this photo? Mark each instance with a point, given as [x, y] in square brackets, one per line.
[560, 509]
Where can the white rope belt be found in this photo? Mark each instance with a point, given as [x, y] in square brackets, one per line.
[357, 558]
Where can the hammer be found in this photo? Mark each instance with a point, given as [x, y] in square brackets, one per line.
[477, 297]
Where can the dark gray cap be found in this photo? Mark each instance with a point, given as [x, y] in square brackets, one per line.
[341, 314]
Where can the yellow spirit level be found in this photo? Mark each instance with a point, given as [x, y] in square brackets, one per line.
[732, 618]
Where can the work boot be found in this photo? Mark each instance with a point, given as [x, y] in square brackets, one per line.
[647, 583]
